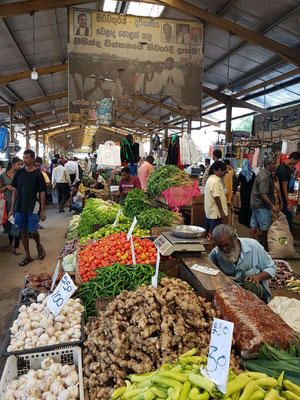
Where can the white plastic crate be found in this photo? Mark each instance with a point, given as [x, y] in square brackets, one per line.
[19, 365]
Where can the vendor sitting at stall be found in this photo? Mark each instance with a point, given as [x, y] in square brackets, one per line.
[101, 180]
[76, 201]
[243, 259]
[127, 183]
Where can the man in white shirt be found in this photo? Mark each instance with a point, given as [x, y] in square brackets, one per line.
[149, 82]
[72, 168]
[61, 180]
[172, 79]
[215, 204]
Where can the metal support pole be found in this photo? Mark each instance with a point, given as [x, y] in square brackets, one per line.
[27, 133]
[166, 138]
[12, 131]
[44, 148]
[36, 143]
[151, 138]
[47, 146]
[189, 121]
[228, 135]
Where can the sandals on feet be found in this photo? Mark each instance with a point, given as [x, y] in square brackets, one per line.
[41, 252]
[25, 262]
[17, 252]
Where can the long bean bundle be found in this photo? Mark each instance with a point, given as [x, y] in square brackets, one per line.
[112, 280]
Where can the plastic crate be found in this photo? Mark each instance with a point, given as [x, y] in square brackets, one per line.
[6, 341]
[19, 365]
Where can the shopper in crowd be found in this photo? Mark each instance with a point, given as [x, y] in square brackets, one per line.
[243, 259]
[228, 183]
[28, 204]
[145, 170]
[202, 169]
[206, 172]
[245, 181]
[100, 179]
[72, 168]
[277, 193]
[2, 169]
[215, 204]
[94, 166]
[6, 179]
[262, 201]
[127, 183]
[62, 182]
[54, 164]
[76, 202]
[217, 155]
[283, 173]
[80, 171]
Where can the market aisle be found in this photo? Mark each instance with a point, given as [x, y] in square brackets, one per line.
[12, 276]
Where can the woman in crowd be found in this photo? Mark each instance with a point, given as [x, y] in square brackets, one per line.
[6, 179]
[245, 180]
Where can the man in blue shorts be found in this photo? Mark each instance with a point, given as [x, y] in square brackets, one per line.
[28, 204]
[262, 201]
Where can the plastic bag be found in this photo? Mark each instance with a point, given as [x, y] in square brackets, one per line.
[280, 239]
[288, 310]
[178, 196]
[3, 214]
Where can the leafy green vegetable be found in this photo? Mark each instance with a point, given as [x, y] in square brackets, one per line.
[135, 203]
[166, 177]
[158, 217]
[96, 212]
[87, 180]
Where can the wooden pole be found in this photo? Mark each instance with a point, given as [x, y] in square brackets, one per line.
[27, 133]
[44, 148]
[36, 143]
[228, 135]
[189, 121]
[12, 131]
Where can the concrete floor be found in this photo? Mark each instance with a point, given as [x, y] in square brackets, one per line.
[12, 276]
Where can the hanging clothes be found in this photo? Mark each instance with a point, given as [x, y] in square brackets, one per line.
[255, 158]
[173, 151]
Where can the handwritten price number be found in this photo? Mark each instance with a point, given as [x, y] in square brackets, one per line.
[218, 330]
[66, 284]
[57, 299]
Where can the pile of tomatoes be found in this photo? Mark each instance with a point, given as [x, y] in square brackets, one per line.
[114, 248]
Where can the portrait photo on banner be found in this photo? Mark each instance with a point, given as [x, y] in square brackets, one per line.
[82, 23]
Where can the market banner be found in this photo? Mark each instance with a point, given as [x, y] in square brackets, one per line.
[115, 56]
[275, 121]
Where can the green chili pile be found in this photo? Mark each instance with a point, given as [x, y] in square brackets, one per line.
[112, 280]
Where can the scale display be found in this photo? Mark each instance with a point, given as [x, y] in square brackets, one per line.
[168, 244]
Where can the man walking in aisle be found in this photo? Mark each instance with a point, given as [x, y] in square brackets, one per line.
[283, 173]
[262, 201]
[29, 204]
[215, 205]
[62, 182]
[72, 168]
[145, 170]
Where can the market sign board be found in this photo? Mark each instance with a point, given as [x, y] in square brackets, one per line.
[115, 56]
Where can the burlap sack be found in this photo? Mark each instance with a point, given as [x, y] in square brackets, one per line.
[280, 239]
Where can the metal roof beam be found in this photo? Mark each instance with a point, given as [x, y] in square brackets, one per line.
[27, 74]
[26, 103]
[279, 49]
[262, 32]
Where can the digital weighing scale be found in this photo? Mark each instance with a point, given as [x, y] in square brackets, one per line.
[168, 244]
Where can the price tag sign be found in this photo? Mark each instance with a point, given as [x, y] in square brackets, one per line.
[54, 276]
[155, 277]
[117, 217]
[217, 368]
[129, 234]
[61, 294]
[132, 251]
[205, 270]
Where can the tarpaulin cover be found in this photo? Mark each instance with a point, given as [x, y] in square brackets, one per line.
[3, 134]
[177, 196]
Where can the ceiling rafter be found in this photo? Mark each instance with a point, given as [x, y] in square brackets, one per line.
[27, 74]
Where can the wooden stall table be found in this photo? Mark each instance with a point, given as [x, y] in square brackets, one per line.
[208, 284]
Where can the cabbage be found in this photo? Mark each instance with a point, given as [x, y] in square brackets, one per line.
[74, 262]
[68, 259]
[68, 268]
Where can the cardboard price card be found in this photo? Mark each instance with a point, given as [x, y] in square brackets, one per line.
[61, 294]
[217, 368]
[129, 234]
[155, 277]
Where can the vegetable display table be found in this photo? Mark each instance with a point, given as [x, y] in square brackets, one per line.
[207, 284]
